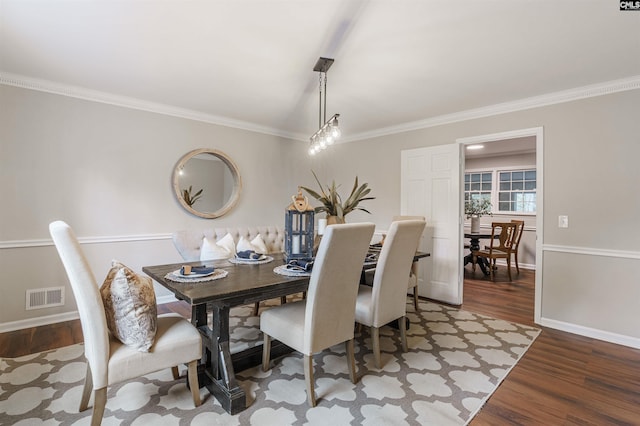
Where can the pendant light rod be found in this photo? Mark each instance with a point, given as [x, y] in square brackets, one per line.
[323, 65]
[328, 130]
[324, 116]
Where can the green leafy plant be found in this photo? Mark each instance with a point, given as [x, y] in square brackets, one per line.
[332, 203]
[191, 198]
[478, 207]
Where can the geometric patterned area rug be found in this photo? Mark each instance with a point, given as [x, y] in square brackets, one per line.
[456, 360]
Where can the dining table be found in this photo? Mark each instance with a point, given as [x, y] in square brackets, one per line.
[243, 283]
[474, 246]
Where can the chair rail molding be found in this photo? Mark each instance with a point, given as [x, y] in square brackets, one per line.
[13, 244]
[590, 251]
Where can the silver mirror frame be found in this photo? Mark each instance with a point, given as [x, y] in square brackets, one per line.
[235, 173]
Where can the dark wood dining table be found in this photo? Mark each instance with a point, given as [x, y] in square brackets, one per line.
[474, 246]
[244, 284]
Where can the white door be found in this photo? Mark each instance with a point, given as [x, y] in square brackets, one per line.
[430, 187]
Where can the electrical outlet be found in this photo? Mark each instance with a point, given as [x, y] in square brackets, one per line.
[563, 221]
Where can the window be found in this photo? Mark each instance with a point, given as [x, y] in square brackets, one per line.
[477, 186]
[510, 190]
[517, 192]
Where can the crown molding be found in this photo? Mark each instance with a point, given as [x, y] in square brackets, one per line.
[134, 103]
[600, 89]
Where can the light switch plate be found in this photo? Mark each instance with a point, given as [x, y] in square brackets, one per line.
[563, 221]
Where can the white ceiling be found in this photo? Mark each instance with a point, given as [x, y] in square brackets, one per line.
[249, 63]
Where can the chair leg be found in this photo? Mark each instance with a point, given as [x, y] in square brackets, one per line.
[509, 267]
[266, 352]
[193, 382]
[415, 298]
[86, 390]
[308, 377]
[256, 308]
[515, 258]
[175, 372]
[351, 360]
[492, 271]
[403, 332]
[99, 403]
[375, 340]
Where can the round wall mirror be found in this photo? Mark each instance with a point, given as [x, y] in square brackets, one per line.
[207, 183]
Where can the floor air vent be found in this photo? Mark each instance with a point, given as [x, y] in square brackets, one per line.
[45, 297]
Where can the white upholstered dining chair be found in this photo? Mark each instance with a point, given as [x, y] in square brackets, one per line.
[386, 299]
[108, 360]
[326, 317]
[413, 274]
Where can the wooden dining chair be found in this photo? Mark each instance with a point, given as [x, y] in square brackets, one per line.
[516, 242]
[503, 235]
[327, 317]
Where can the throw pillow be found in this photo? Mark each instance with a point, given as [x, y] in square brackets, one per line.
[257, 245]
[224, 248]
[228, 243]
[130, 307]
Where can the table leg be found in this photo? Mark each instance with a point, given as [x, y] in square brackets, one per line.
[483, 263]
[216, 365]
[474, 245]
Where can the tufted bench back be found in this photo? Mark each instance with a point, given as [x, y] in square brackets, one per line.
[189, 242]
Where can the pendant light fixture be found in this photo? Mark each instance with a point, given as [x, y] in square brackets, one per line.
[328, 130]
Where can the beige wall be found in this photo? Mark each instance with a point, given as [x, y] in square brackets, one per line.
[591, 173]
[107, 170]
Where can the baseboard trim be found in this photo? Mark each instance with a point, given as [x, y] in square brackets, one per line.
[528, 266]
[38, 321]
[56, 318]
[619, 339]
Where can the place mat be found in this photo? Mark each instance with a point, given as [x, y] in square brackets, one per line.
[241, 261]
[177, 277]
[282, 270]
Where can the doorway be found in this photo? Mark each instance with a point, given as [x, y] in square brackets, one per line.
[505, 147]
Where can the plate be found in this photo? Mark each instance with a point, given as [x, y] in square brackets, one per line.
[244, 259]
[193, 274]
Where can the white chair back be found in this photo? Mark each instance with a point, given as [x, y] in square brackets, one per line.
[87, 295]
[392, 271]
[333, 286]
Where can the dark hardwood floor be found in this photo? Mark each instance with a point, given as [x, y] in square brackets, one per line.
[563, 379]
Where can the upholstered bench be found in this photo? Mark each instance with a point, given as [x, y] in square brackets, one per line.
[189, 242]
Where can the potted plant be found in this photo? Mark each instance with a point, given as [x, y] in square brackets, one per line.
[476, 208]
[332, 203]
